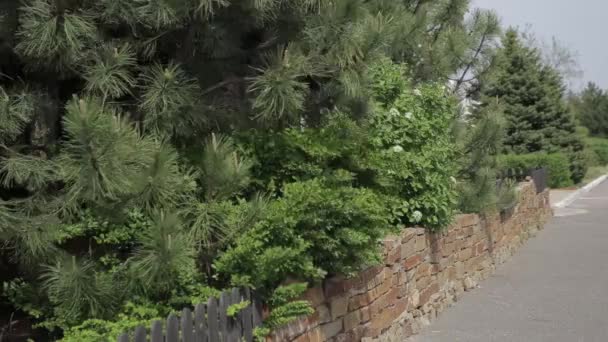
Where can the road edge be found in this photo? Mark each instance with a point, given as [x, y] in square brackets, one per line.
[575, 195]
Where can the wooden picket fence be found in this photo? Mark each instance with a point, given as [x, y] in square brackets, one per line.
[210, 322]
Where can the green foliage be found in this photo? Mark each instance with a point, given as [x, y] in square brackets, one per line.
[532, 96]
[165, 256]
[286, 293]
[110, 74]
[23, 296]
[31, 172]
[302, 154]
[131, 316]
[599, 147]
[224, 171]
[479, 145]
[120, 233]
[167, 100]
[314, 229]
[54, 36]
[164, 184]
[416, 156]
[16, 111]
[557, 165]
[591, 108]
[103, 155]
[579, 163]
[284, 309]
[234, 309]
[78, 291]
[388, 80]
[279, 91]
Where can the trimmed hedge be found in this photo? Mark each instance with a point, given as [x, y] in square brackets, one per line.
[557, 164]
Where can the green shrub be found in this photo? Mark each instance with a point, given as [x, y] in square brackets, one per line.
[599, 148]
[388, 80]
[299, 154]
[132, 316]
[415, 156]
[579, 163]
[314, 229]
[284, 308]
[557, 164]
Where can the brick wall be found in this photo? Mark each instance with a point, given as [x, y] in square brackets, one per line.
[422, 274]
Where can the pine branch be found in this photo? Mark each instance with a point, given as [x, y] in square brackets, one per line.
[103, 155]
[168, 96]
[16, 111]
[110, 72]
[163, 184]
[224, 171]
[277, 88]
[29, 171]
[78, 290]
[52, 37]
[165, 254]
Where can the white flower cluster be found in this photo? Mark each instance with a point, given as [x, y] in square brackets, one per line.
[395, 112]
[416, 216]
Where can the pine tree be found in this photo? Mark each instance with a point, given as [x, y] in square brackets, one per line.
[479, 49]
[533, 97]
[591, 107]
[481, 141]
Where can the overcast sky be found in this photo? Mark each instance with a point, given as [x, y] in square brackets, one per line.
[580, 25]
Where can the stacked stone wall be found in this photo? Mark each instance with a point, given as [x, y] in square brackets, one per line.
[422, 274]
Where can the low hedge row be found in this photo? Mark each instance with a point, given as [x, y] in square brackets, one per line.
[557, 164]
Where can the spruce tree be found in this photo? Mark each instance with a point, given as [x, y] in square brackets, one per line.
[591, 107]
[533, 99]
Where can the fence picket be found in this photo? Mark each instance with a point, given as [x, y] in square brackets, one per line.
[247, 319]
[212, 320]
[257, 311]
[208, 323]
[140, 334]
[223, 305]
[236, 326]
[200, 327]
[156, 332]
[186, 326]
[172, 329]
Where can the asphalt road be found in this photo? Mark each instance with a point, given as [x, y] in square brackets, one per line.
[554, 289]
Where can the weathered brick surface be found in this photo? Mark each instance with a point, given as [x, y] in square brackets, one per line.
[422, 274]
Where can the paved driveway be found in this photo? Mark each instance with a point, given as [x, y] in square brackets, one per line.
[554, 289]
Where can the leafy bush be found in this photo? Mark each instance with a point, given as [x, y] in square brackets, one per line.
[579, 163]
[599, 148]
[415, 158]
[315, 229]
[284, 309]
[388, 80]
[557, 165]
[299, 154]
[131, 316]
